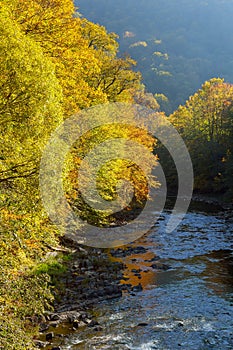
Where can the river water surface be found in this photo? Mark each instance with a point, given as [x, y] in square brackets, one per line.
[187, 296]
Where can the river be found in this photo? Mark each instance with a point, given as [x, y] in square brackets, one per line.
[187, 297]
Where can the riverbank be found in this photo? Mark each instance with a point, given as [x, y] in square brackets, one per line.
[218, 201]
[90, 277]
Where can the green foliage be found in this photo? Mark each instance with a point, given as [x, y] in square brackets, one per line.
[52, 268]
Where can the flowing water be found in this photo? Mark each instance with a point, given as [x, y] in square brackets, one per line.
[187, 296]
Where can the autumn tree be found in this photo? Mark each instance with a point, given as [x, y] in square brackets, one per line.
[30, 101]
[83, 52]
[31, 107]
[205, 123]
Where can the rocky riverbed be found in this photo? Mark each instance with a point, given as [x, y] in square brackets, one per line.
[161, 292]
[92, 276]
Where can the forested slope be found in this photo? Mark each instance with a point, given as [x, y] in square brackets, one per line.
[178, 44]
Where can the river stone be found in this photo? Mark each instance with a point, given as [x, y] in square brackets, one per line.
[115, 295]
[54, 324]
[126, 285]
[54, 317]
[136, 270]
[75, 324]
[82, 324]
[49, 336]
[43, 327]
[142, 324]
[93, 323]
[163, 267]
[137, 288]
[40, 344]
[128, 251]
[69, 316]
[155, 258]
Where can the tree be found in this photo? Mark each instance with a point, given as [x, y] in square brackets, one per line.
[30, 101]
[205, 122]
[83, 52]
[112, 163]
